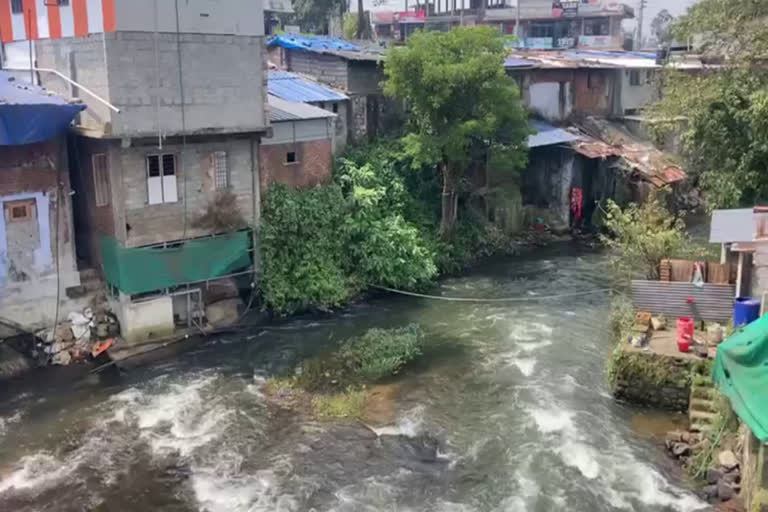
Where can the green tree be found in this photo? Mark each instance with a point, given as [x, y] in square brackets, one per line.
[314, 15]
[724, 137]
[463, 105]
[349, 28]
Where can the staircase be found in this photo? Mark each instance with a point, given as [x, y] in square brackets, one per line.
[702, 411]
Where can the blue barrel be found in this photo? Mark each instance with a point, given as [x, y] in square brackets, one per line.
[745, 311]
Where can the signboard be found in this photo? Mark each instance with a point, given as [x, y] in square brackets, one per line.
[411, 16]
[598, 42]
[538, 43]
[565, 8]
[566, 42]
[292, 29]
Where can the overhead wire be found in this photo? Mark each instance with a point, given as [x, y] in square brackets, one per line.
[530, 298]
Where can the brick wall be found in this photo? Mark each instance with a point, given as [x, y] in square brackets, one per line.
[313, 166]
[328, 69]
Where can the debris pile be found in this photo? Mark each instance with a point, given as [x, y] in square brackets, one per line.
[83, 334]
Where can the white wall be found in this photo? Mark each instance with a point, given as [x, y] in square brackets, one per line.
[637, 96]
[239, 17]
[299, 131]
[547, 99]
[141, 321]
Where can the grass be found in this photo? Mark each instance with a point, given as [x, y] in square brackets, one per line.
[348, 404]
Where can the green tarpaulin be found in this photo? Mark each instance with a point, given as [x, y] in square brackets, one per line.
[147, 269]
[741, 373]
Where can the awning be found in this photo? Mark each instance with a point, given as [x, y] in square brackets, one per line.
[29, 113]
[548, 135]
[147, 269]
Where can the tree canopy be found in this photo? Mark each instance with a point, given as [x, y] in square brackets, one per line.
[463, 106]
[724, 136]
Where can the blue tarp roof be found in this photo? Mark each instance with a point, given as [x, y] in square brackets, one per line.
[29, 113]
[292, 87]
[312, 43]
[548, 135]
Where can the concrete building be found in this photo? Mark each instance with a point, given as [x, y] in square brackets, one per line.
[544, 24]
[296, 88]
[38, 272]
[354, 68]
[299, 152]
[166, 168]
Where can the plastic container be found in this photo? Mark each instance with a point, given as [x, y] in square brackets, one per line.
[745, 311]
[684, 333]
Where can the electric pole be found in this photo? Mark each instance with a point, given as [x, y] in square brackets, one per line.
[643, 3]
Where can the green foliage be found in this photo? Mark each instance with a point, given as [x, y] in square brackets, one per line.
[381, 353]
[462, 104]
[349, 28]
[643, 235]
[304, 257]
[722, 114]
[621, 317]
[313, 15]
[350, 404]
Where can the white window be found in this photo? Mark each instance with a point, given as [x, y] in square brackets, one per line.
[101, 179]
[17, 6]
[220, 170]
[161, 179]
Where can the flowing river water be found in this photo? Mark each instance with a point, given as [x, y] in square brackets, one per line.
[514, 392]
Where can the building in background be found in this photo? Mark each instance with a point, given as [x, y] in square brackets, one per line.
[356, 68]
[39, 279]
[166, 157]
[299, 151]
[296, 88]
[544, 24]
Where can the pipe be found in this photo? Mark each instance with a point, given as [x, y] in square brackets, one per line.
[71, 82]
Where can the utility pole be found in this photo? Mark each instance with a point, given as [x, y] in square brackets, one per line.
[517, 21]
[643, 3]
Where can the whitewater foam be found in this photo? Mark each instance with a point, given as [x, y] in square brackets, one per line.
[410, 424]
[552, 420]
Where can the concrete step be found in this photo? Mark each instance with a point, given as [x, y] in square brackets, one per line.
[700, 427]
[701, 416]
[703, 392]
[702, 404]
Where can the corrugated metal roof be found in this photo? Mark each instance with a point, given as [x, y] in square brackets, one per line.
[713, 302]
[518, 63]
[548, 135]
[737, 225]
[292, 87]
[282, 110]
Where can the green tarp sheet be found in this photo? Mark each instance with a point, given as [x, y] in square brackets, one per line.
[147, 269]
[741, 373]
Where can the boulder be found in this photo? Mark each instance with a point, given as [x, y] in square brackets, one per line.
[732, 477]
[727, 459]
[713, 475]
[12, 363]
[724, 491]
[674, 436]
[223, 313]
[710, 492]
[681, 449]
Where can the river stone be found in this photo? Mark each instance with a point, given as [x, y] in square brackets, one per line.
[710, 492]
[727, 459]
[724, 491]
[422, 447]
[223, 313]
[680, 449]
[732, 477]
[713, 475]
[12, 363]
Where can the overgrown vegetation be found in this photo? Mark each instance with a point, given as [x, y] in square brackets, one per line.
[643, 235]
[376, 224]
[334, 384]
[463, 106]
[722, 114]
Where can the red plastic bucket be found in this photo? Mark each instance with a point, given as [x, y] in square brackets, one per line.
[684, 333]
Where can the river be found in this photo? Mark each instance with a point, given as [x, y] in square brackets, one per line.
[514, 392]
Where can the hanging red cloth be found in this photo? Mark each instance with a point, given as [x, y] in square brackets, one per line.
[577, 200]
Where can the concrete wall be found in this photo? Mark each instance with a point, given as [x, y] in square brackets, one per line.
[223, 83]
[558, 93]
[635, 97]
[138, 72]
[364, 77]
[340, 123]
[754, 473]
[137, 223]
[314, 164]
[28, 249]
[551, 100]
[759, 283]
[300, 131]
[140, 321]
[547, 181]
[84, 60]
[239, 17]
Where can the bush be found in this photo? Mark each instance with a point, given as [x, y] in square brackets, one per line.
[645, 234]
[381, 353]
[304, 251]
[349, 404]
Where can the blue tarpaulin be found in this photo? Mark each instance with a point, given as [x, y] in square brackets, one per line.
[312, 43]
[29, 113]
